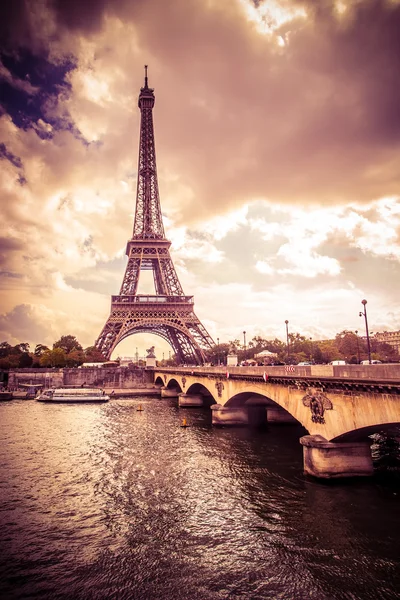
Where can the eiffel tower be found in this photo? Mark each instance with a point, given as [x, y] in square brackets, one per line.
[168, 313]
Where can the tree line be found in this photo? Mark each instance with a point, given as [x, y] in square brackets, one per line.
[66, 352]
[347, 345]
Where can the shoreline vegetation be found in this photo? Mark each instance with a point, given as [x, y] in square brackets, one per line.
[347, 346]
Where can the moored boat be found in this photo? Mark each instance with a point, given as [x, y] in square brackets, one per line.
[82, 394]
[4, 395]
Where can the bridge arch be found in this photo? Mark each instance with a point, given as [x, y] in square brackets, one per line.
[174, 384]
[363, 433]
[204, 391]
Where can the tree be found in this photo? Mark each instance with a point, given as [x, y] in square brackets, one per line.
[317, 354]
[92, 354]
[348, 344]
[384, 352]
[9, 362]
[25, 360]
[217, 354]
[5, 349]
[75, 358]
[39, 349]
[23, 347]
[53, 358]
[329, 351]
[67, 343]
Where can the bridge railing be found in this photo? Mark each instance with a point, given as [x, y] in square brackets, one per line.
[383, 372]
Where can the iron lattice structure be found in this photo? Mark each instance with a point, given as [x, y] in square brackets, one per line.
[168, 313]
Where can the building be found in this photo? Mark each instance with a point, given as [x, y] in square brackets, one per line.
[389, 337]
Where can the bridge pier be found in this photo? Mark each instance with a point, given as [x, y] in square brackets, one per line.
[330, 460]
[187, 400]
[229, 415]
[276, 414]
[250, 414]
[169, 392]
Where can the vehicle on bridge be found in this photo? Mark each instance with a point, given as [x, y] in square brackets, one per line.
[373, 362]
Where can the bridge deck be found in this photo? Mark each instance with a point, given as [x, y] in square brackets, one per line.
[346, 378]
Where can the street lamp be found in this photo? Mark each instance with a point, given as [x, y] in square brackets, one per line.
[312, 351]
[358, 347]
[244, 340]
[218, 351]
[287, 337]
[364, 314]
[137, 357]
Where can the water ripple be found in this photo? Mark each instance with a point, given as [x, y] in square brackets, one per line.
[104, 502]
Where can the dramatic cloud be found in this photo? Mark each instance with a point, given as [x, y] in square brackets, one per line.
[278, 142]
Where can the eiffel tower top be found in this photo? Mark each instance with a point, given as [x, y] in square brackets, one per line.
[148, 222]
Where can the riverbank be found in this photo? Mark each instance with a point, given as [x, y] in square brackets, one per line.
[110, 378]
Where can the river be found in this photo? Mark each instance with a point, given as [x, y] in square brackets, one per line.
[107, 502]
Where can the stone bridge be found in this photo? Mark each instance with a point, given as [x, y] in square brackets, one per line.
[340, 410]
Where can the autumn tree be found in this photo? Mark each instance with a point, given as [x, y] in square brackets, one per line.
[5, 349]
[39, 349]
[67, 343]
[75, 358]
[329, 351]
[20, 348]
[53, 358]
[11, 361]
[348, 344]
[92, 354]
[25, 360]
[217, 354]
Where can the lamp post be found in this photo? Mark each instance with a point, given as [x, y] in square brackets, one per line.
[137, 356]
[244, 340]
[364, 314]
[218, 351]
[358, 347]
[312, 351]
[287, 337]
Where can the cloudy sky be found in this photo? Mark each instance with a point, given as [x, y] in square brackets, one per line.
[277, 129]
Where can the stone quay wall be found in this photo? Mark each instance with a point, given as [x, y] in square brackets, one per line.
[106, 377]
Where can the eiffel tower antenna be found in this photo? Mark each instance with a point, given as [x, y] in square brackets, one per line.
[168, 313]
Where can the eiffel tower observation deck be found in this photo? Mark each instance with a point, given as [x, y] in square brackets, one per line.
[168, 313]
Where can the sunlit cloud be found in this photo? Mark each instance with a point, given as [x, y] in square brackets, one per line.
[276, 128]
[270, 16]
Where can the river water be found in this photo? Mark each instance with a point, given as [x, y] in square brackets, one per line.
[106, 502]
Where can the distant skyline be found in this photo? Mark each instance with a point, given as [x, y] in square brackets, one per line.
[277, 130]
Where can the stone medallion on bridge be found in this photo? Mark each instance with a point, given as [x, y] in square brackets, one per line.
[220, 386]
[318, 404]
